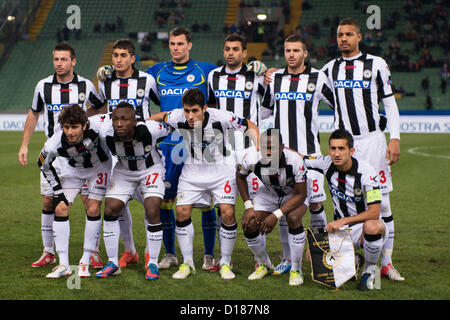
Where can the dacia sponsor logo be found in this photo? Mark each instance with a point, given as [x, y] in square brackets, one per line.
[236, 94]
[352, 84]
[112, 103]
[341, 195]
[294, 96]
[56, 107]
[173, 91]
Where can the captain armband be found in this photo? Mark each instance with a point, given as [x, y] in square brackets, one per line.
[373, 196]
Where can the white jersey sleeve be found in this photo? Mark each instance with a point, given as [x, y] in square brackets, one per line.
[158, 130]
[46, 157]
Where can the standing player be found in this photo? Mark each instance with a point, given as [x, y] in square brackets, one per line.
[283, 193]
[293, 96]
[139, 169]
[208, 172]
[51, 94]
[88, 162]
[234, 88]
[127, 84]
[356, 200]
[173, 79]
[359, 82]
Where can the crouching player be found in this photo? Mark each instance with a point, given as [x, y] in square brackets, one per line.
[283, 193]
[208, 173]
[356, 199]
[89, 162]
[139, 169]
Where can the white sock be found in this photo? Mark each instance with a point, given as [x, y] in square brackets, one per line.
[297, 243]
[47, 218]
[91, 237]
[257, 244]
[185, 236]
[61, 233]
[227, 236]
[318, 218]
[284, 238]
[111, 233]
[372, 249]
[126, 229]
[154, 240]
[386, 214]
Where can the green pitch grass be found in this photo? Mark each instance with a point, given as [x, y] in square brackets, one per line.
[420, 205]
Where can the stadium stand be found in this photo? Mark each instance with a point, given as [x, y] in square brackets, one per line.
[148, 23]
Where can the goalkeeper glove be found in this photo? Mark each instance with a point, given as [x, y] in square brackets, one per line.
[257, 67]
[104, 72]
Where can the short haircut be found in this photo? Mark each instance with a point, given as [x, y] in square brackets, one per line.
[72, 114]
[125, 105]
[64, 46]
[296, 38]
[177, 31]
[193, 97]
[351, 22]
[342, 134]
[125, 44]
[236, 37]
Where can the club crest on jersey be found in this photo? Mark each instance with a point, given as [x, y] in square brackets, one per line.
[367, 73]
[352, 84]
[311, 87]
[190, 77]
[249, 85]
[294, 96]
[81, 96]
[236, 94]
[140, 93]
[148, 148]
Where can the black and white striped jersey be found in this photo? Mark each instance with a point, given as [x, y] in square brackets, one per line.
[88, 154]
[279, 179]
[359, 84]
[140, 153]
[51, 96]
[294, 100]
[137, 90]
[238, 92]
[209, 143]
[352, 191]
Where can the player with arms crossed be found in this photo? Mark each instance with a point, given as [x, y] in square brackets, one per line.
[88, 162]
[51, 94]
[207, 173]
[293, 98]
[283, 193]
[359, 82]
[354, 187]
[139, 169]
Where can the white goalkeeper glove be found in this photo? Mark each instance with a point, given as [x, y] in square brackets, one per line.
[104, 72]
[257, 67]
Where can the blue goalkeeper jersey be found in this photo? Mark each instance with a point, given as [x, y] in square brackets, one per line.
[173, 80]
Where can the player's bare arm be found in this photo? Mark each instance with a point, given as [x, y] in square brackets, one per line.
[253, 131]
[158, 117]
[30, 125]
[294, 202]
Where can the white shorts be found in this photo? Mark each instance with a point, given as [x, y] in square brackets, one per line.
[372, 148]
[94, 180]
[315, 190]
[149, 183]
[266, 200]
[356, 232]
[217, 183]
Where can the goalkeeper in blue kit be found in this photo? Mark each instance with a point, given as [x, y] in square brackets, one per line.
[173, 79]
